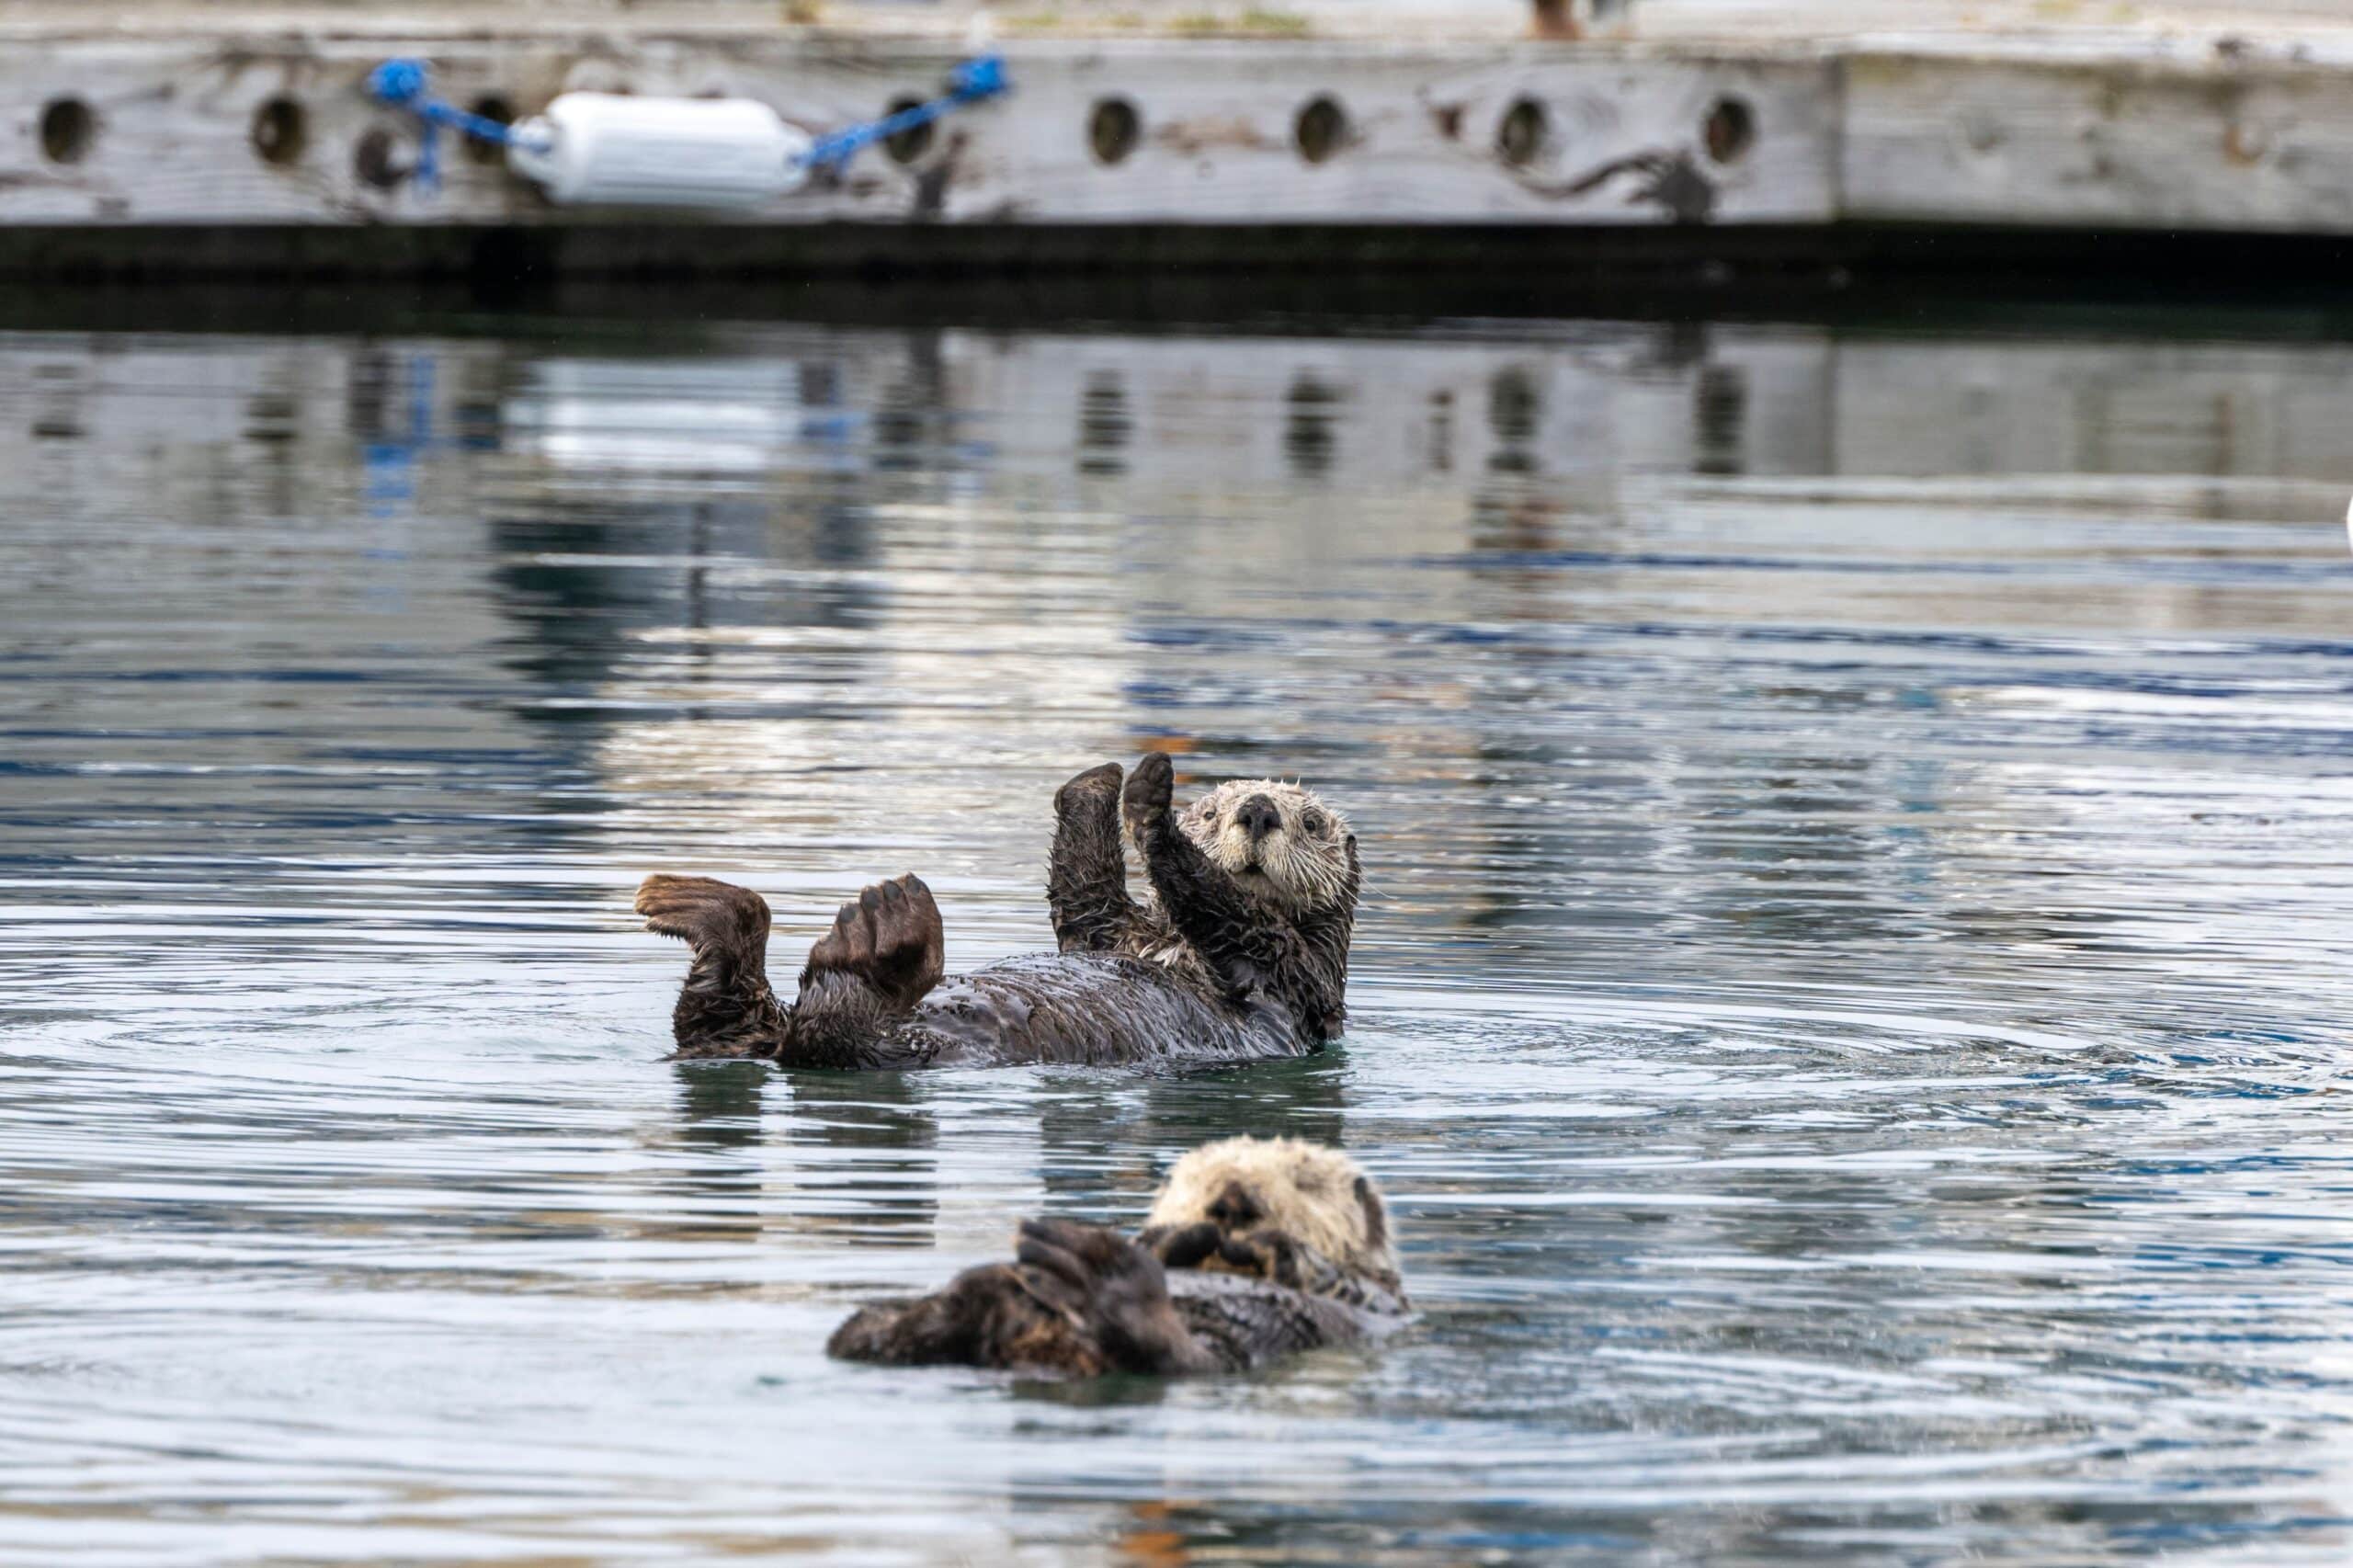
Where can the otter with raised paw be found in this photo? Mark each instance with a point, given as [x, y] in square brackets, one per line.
[1239, 952]
[1254, 1249]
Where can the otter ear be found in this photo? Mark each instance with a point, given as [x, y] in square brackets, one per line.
[1376, 1218]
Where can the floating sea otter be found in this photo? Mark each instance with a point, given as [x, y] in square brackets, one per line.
[1254, 1249]
[1241, 952]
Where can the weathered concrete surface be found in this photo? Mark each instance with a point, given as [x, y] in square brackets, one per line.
[172, 123]
[2037, 24]
[156, 116]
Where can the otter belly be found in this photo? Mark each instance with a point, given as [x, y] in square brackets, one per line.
[1247, 1322]
[1089, 1009]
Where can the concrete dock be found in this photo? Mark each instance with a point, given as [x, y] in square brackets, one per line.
[158, 139]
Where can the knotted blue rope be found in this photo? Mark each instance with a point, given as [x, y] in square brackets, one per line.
[403, 83]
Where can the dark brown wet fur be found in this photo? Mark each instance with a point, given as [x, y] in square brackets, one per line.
[1082, 1301]
[992, 1316]
[872, 994]
[1200, 923]
[726, 1007]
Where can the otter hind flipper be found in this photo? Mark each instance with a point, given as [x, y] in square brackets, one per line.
[1081, 1302]
[1117, 1290]
[992, 1316]
[726, 1007]
[890, 937]
[1087, 880]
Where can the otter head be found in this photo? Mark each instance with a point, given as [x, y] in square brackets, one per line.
[1251, 1187]
[1286, 849]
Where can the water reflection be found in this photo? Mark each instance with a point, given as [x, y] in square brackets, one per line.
[1844, 1006]
[1103, 424]
[1515, 411]
[872, 1172]
[1308, 431]
[719, 1128]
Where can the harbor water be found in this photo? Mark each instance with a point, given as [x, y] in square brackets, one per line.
[1850, 1005]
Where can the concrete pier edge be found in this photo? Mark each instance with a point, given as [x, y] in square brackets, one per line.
[219, 150]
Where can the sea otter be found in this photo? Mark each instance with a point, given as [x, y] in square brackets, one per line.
[1241, 952]
[1254, 1249]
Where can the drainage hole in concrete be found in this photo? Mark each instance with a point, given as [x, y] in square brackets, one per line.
[68, 127]
[1113, 130]
[378, 160]
[1321, 130]
[907, 145]
[281, 131]
[490, 106]
[1520, 137]
[1730, 129]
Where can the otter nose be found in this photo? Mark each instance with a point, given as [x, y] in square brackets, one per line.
[1259, 817]
[1234, 1207]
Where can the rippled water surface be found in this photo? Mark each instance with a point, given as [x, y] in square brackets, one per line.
[1852, 1004]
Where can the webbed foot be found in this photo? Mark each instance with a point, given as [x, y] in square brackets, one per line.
[704, 910]
[1116, 1291]
[1087, 882]
[1094, 788]
[725, 1008]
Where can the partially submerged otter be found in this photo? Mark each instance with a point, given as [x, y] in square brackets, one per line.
[1254, 1249]
[1242, 951]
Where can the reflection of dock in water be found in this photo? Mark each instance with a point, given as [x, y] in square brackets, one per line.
[966, 561]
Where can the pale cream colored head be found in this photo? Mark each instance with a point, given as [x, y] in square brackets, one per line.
[1307, 1192]
[1286, 847]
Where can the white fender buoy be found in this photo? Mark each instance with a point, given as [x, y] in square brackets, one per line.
[605, 147]
[615, 150]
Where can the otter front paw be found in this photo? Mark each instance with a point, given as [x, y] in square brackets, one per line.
[1116, 1290]
[1263, 1255]
[890, 937]
[1150, 790]
[1181, 1246]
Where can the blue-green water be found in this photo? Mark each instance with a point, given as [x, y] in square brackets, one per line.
[1852, 1005]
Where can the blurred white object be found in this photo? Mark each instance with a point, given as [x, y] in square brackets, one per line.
[606, 148]
[658, 416]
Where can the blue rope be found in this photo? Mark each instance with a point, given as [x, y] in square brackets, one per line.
[980, 78]
[403, 83]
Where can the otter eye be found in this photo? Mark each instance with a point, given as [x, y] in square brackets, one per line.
[1209, 819]
[1314, 822]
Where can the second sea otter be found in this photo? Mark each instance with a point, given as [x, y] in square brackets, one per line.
[1240, 952]
[1255, 1249]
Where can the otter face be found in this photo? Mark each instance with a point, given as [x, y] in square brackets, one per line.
[1287, 848]
[1253, 1187]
